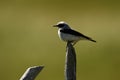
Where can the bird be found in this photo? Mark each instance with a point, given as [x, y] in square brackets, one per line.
[67, 34]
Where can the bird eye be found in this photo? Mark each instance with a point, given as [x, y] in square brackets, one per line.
[60, 25]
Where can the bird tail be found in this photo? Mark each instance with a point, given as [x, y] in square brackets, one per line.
[90, 39]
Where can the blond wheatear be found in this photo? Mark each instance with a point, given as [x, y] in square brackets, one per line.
[67, 34]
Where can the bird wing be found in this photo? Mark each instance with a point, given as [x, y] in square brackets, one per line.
[75, 33]
[72, 32]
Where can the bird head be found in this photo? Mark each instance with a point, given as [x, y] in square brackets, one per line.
[62, 25]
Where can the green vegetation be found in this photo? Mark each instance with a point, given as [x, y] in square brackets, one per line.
[27, 38]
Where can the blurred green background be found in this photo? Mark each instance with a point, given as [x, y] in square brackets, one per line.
[27, 38]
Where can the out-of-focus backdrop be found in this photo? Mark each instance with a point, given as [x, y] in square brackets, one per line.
[27, 38]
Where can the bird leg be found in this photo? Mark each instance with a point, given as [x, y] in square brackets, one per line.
[74, 42]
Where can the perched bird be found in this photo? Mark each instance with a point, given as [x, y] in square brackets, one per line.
[67, 34]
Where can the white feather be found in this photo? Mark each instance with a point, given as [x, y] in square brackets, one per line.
[67, 37]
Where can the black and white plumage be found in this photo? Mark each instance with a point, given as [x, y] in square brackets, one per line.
[69, 35]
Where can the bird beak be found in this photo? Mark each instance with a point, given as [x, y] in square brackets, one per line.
[55, 25]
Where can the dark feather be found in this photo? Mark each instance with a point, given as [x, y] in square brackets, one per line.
[75, 33]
